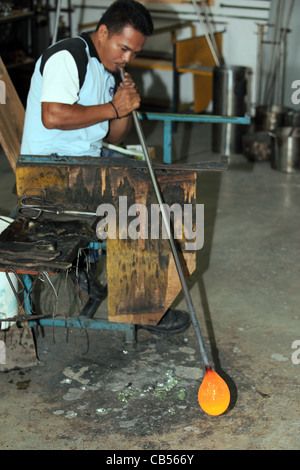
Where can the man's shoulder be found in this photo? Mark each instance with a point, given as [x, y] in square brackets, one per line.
[76, 47]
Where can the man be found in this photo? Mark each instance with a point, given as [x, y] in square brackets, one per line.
[74, 102]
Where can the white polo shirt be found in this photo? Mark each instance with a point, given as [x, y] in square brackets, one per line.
[68, 72]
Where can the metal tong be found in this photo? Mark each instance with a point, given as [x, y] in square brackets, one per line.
[33, 206]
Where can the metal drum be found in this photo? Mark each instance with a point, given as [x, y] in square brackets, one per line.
[230, 98]
[258, 146]
[292, 119]
[269, 118]
[286, 150]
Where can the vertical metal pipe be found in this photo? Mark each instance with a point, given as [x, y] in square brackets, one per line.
[57, 15]
[210, 31]
[272, 55]
[281, 75]
[214, 54]
[259, 63]
[167, 141]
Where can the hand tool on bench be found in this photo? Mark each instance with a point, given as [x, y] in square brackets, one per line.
[33, 206]
[209, 386]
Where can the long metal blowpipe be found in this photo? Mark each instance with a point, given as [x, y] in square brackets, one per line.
[185, 289]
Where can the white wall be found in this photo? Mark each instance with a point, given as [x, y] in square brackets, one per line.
[240, 41]
[293, 51]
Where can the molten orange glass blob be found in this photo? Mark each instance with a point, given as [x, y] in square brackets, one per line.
[213, 394]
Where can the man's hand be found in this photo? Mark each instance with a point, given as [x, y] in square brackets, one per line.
[126, 98]
[75, 116]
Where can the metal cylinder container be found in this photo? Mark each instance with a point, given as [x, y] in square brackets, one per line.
[269, 118]
[230, 98]
[257, 146]
[292, 119]
[286, 150]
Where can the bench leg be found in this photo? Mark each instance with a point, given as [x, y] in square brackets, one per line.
[167, 142]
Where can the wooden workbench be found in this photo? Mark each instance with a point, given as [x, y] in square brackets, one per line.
[142, 278]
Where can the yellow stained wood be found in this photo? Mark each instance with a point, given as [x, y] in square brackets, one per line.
[196, 50]
[35, 177]
[137, 281]
[12, 116]
[126, 312]
[196, 69]
[202, 93]
[141, 276]
[194, 56]
[147, 63]
[141, 273]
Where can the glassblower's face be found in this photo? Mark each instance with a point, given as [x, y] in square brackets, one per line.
[116, 50]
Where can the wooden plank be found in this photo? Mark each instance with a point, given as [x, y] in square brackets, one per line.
[12, 116]
[203, 90]
[142, 276]
[197, 69]
[194, 56]
[15, 15]
[196, 50]
[148, 63]
[208, 2]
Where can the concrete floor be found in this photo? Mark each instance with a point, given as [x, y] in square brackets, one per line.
[90, 390]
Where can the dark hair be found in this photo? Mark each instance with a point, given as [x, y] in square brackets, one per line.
[127, 13]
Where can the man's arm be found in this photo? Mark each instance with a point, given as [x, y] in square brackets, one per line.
[75, 116]
[118, 130]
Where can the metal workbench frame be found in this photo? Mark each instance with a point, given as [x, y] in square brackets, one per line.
[169, 118]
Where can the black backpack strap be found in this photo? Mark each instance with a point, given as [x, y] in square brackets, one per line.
[76, 47]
